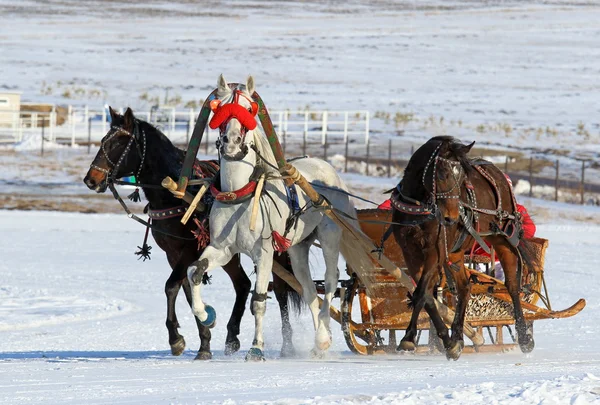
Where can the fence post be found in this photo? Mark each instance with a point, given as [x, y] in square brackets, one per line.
[284, 132]
[345, 126]
[89, 134]
[103, 120]
[190, 126]
[325, 148]
[71, 115]
[530, 176]
[324, 128]
[367, 127]
[43, 125]
[389, 168]
[368, 144]
[506, 165]
[582, 182]
[305, 133]
[51, 123]
[346, 157]
[556, 180]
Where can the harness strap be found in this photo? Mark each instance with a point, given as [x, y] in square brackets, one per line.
[138, 219]
[167, 213]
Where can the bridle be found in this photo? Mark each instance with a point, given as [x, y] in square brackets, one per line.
[111, 173]
[429, 209]
[223, 113]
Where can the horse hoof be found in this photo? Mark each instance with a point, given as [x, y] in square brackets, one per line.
[255, 354]
[178, 347]
[211, 317]
[455, 349]
[287, 352]
[315, 353]
[232, 347]
[203, 356]
[406, 346]
[527, 344]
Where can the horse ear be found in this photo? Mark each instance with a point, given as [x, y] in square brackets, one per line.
[222, 87]
[113, 114]
[128, 120]
[250, 85]
[467, 148]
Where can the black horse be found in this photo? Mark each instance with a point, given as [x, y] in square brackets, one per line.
[134, 147]
[444, 203]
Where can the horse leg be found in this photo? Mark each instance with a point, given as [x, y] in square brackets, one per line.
[204, 352]
[463, 291]
[264, 268]
[417, 299]
[281, 293]
[172, 286]
[423, 298]
[299, 259]
[242, 285]
[210, 259]
[329, 235]
[510, 261]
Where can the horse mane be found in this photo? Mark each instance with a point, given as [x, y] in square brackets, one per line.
[457, 149]
[159, 146]
[264, 149]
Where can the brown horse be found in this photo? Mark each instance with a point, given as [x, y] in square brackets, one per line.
[133, 146]
[444, 203]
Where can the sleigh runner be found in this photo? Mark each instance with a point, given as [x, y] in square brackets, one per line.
[378, 282]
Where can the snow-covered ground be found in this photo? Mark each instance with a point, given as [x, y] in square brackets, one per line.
[82, 321]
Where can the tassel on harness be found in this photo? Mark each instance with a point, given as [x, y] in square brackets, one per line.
[280, 243]
[201, 234]
[144, 250]
[135, 196]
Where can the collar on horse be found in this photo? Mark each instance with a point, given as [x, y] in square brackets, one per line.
[236, 196]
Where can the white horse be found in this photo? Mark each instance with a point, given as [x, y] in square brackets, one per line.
[230, 223]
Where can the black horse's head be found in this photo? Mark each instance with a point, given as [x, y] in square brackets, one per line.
[121, 153]
[435, 174]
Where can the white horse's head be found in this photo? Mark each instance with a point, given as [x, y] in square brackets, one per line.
[234, 115]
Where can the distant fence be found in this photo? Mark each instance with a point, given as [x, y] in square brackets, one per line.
[574, 181]
[341, 137]
[85, 125]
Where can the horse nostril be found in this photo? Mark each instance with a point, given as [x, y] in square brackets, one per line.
[225, 139]
[238, 140]
[89, 181]
[449, 220]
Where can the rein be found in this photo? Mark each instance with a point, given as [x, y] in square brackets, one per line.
[131, 215]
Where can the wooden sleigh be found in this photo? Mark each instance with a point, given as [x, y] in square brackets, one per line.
[381, 286]
[384, 306]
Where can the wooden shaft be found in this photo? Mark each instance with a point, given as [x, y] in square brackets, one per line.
[194, 204]
[298, 178]
[256, 202]
[187, 197]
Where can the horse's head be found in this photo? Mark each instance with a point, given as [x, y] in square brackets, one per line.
[118, 156]
[435, 174]
[234, 115]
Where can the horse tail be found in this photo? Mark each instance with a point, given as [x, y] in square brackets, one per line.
[531, 254]
[294, 299]
[283, 290]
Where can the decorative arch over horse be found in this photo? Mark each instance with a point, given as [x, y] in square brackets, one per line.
[444, 203]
